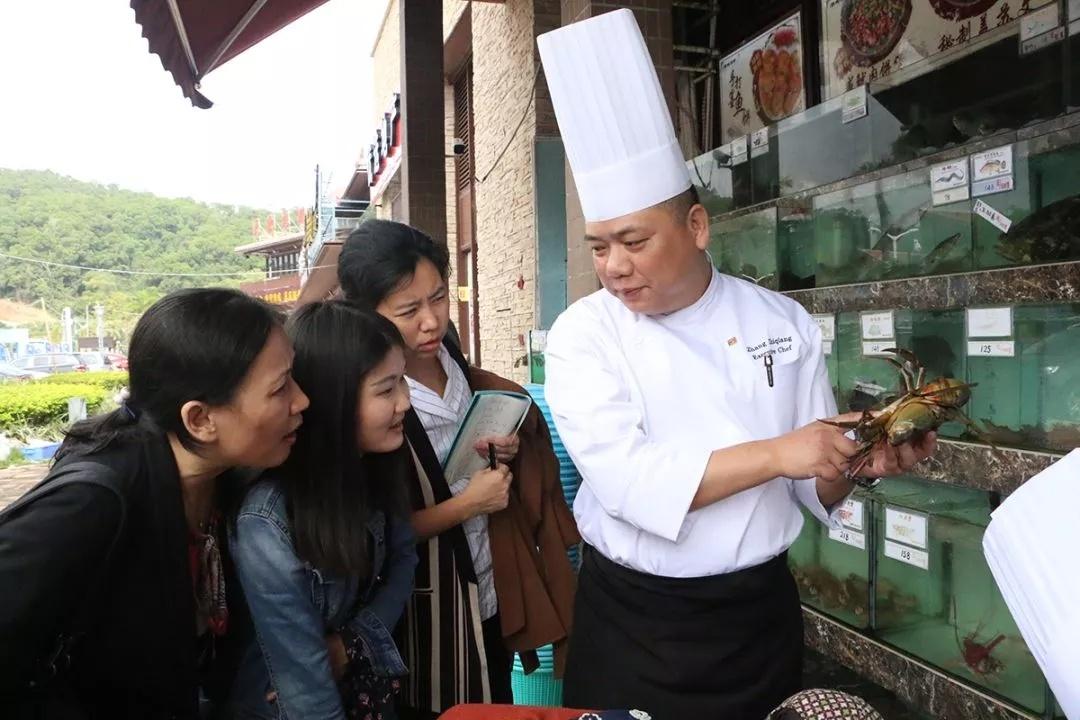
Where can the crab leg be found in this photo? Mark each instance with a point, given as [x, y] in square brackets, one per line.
[944, 390]
[957, 415]
[913, 368]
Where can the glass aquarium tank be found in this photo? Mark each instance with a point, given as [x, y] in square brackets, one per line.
[1043, 207]
[832, 567]
[796, 245]
[744, 246]
[1028, 392]
[865, 380]
[764, 169]
[710, 173]
[935, 597]
[815, 147]
[888, 229]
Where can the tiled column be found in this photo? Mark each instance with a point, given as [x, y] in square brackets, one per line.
[654, 18]
[423, 168]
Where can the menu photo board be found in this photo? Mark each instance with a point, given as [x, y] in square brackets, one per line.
[868, 40]
[762, 81]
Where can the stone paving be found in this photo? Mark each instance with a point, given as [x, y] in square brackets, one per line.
[14, 481]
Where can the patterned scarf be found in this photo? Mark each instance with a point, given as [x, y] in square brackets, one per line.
[211, 612]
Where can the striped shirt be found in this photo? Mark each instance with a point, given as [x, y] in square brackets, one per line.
[441, 417]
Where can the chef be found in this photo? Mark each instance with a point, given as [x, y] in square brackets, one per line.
[688, 400]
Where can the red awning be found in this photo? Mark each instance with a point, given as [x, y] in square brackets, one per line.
[192, 37]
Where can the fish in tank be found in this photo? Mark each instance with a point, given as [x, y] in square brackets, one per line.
[1050, 234]
[888, 230]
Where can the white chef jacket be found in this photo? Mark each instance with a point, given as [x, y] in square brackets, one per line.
[641, 402]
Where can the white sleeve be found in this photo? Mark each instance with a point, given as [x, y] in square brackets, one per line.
[816, 402]
[647, 484]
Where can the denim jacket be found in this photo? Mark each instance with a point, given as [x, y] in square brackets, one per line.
[294, 606]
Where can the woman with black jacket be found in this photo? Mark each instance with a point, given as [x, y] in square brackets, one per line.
[116, 597]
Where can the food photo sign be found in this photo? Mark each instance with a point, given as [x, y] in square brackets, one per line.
[762, 82]
[868, 40]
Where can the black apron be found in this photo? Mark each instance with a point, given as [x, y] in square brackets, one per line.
[727, 647]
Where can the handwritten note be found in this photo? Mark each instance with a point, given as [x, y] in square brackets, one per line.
[491, 413]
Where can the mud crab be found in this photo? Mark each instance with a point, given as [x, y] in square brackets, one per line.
[920, 409]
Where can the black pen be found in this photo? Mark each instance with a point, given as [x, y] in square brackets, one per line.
[492, 462]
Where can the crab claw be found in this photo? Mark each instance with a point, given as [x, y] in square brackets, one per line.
[910, 358]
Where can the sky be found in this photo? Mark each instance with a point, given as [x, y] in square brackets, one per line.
[83, 96]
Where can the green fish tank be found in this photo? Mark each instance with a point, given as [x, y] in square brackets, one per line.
[832, 567]
[744, 246]
[796, 244]
[934, 596]
[1025, 365]
[865, 379]
[1042, 206]
[889, 229]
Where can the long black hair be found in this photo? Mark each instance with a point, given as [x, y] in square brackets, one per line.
[380, 255]
[195, 344]
[331, 488]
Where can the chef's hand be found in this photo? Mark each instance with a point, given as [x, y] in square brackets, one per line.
[506, 448]
[488, 491]
[816, 450]
[886, 460]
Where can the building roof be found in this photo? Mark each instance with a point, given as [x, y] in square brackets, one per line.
[193, 37]
[272, 245]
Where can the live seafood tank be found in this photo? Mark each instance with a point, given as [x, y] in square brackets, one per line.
[711, 174]
[1043, 208]
[816, 147]
[888, 229]
[796, 245]
[866, 380]
[935, 597]
[1028, 392]
[832, 567]
[744, 246]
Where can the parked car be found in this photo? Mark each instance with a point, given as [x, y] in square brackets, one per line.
[118, 360]
[94, 360]
[10, 371]
[53, 363]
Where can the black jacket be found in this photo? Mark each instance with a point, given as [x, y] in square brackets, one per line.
[138, 656]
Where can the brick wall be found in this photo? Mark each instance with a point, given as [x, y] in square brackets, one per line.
[654, 19]
[504, 63]
[451, 199]
[386, 65]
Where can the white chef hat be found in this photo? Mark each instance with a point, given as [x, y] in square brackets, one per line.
[614, 120]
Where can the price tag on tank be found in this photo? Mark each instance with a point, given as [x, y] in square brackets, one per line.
[905, 554]
[877, 325]
[740, 149]
[906, 527]
[992, 348]
[877, 348]
[759, 143]
[851, 514]
[989, 322]
[826, 322]
[848, 537]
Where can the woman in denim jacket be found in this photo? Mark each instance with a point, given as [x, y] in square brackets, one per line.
[324, 549]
